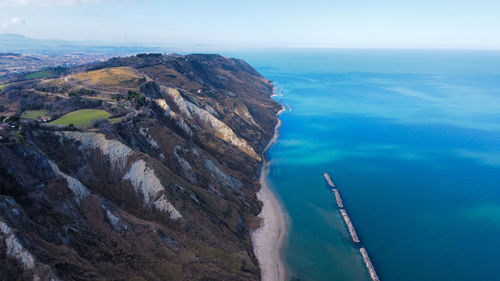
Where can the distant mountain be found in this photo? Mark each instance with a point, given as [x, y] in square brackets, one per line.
[21, 44]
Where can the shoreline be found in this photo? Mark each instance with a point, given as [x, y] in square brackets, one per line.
[268, 239]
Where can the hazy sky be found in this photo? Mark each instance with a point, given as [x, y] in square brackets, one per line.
[259, 23]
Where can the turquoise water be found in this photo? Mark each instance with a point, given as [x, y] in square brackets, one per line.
[412, 139]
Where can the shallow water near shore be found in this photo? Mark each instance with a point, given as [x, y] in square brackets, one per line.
[411, 139]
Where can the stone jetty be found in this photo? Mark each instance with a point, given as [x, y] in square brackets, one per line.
[337, 198]
[350, 226]
[369, 265]
[351, 229]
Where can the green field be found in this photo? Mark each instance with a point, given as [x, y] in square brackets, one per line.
[115, 120]
[3, 86]
[39, 75]
[34, 114]
[81, 118]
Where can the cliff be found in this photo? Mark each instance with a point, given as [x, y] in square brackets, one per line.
[163, 190]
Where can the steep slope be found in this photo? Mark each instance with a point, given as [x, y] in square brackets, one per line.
[165, 193]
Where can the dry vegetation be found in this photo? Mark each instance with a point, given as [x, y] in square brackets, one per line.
[116, 77]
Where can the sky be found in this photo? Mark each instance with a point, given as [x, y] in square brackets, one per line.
[454, 24]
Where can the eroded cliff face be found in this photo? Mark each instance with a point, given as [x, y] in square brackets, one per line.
[168, 193]
[202, 118]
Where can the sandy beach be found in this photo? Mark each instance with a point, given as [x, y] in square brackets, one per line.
[268, 239]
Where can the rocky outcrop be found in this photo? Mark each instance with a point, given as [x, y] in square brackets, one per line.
[144, 132]
[14, 248]
[114, 151]
[206, 120]
[18, 257]
[242, 111]
[146, 183]
[114, 221]
[186, 168]
[221, 130]
[79, 190]
[220, 176]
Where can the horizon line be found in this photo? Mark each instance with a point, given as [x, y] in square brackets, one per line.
[131, 44]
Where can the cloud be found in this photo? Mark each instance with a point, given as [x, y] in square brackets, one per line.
[13, 21]
[17, 20]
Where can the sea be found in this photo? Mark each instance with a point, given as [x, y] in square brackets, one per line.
[411, 138]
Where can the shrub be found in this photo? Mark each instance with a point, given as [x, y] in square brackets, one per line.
[82, 92]
[136, 99]
[17, 137]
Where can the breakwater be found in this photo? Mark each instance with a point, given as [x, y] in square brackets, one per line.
[334, 190]
[340, 204]
[369, 265]
[350, 227]
[328, 179]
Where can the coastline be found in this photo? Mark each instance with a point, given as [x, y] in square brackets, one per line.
[269, 237]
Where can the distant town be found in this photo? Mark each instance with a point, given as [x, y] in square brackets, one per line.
[13, 63]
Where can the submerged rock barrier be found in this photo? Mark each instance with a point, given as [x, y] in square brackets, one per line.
[369, 265]
[350, 227]
[328, 179]
[337, 198]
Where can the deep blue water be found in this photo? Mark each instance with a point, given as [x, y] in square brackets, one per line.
[412, 139]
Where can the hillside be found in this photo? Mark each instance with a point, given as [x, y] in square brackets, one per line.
[160, 187]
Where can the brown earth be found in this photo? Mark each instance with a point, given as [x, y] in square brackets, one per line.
[168, 193]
